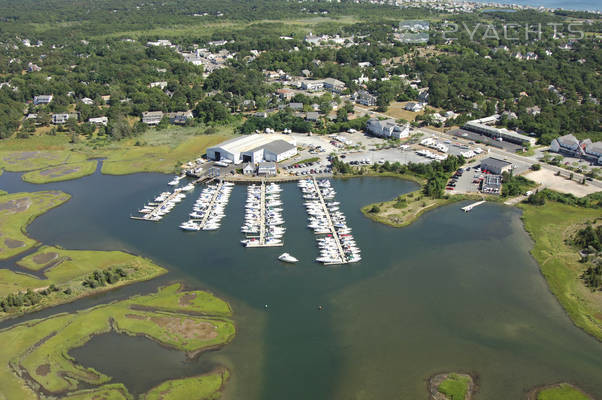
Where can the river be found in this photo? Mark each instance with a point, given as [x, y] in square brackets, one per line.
[452, 291]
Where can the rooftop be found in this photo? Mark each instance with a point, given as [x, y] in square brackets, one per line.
[249, 142]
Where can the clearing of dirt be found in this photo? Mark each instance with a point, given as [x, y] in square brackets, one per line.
[58, 172]
[186, 328]
[549, 180]
[16, 205]
[44, 258]
[43, 370]
[13, 244]
[186, 300]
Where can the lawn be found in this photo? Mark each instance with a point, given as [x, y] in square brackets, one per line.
[39, 349]
[203, 387]
[549, 226]
[63, 172]
[562, 391]
[67, 269]
[455, 387]
[17, 210]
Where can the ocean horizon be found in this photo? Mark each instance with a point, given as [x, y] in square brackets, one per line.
[580, 5]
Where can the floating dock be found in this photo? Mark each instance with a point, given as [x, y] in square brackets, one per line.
[258, 224]
[333, 231]
[473, 205]
[159, 209]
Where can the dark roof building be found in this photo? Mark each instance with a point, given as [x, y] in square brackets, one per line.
[496, 166]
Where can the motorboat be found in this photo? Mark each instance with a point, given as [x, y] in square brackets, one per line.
[287, 258]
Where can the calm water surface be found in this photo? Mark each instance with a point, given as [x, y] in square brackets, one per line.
[453, 291]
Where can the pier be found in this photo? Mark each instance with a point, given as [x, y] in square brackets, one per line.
[473, 205]
[260, 233]
[203, 221]
[161, 208]
[333, 231]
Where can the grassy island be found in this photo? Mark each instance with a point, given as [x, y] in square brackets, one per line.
[38, 356]
[562, 391]
[51, 275]
[451, 386]
[200, 387]
[17, 210]
[63, 172]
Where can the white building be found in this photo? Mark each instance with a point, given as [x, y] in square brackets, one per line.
[42, 99]
[387, 129]
[254, 148]
[99, 121]
[62, 118]
[152, 117]
[160, 84]
[312, 85]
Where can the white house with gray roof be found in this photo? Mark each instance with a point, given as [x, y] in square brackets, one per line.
[568, 145]
[387, 128]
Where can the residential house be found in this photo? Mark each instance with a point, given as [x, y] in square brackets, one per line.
[296, 106]
[160, 84]
[248, 169]
[365, 98]
[312, 116]
[334, 85]
[43, 99]
[152, 117]
[62, 118]
[285, 94]
[87, 101]
[180, 117]
[312, 86]
[414, 107]
[99, 121]
[593, 152]
[568, 145]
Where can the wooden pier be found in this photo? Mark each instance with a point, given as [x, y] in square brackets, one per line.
[473, 205]
[158, 207]
[203, 221]
[333, 231]
[262, 221]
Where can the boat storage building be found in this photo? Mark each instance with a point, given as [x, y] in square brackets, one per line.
[254, 149]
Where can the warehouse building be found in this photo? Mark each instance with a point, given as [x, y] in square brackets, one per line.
[496, 166]
[254, 149]
[499, 133]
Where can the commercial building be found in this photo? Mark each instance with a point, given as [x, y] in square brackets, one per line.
[478, 126]
[387, 128]
[254, 149]
[495, 165]
[312, 85]
[492, 184]
[266, 169]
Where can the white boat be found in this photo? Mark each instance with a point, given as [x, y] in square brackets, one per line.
[287, 258]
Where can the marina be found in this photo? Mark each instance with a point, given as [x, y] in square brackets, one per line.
[337, 245]
[208, 210]
[263, 216]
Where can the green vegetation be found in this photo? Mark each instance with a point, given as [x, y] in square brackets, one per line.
[308, 160]
[62, 172]
[455, 386]
[34, 158]
[17, 210]
[515, 185]
[115, 391]
[38, 354]
[562, 391]
[204, 387]
[68, 275]
[551, 226]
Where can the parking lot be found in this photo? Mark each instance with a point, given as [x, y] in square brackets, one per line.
[475, 137]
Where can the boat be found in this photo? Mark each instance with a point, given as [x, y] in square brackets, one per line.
[287, 258]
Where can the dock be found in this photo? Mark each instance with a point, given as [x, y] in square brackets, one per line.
[333, 231]
[262, 235]
[473, 205]
[262, 216]
[203, 221]
[154, 215]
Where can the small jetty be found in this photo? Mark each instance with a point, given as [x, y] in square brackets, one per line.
[263, 216]
[209, 209]
[337, 245]
[160, 206]
[473, 205]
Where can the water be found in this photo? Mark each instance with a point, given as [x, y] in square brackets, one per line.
[453, 291]
[580, 5]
